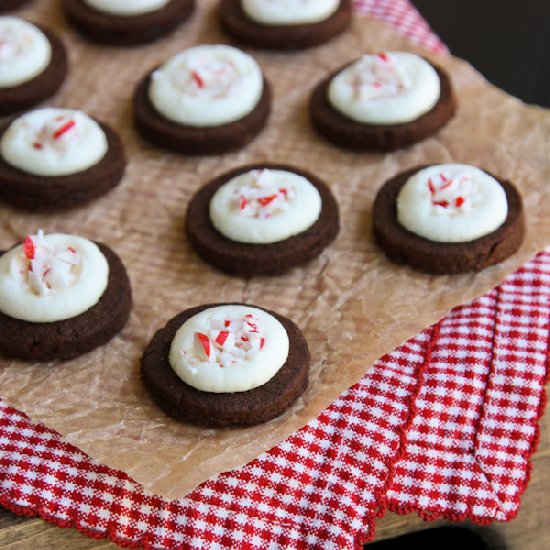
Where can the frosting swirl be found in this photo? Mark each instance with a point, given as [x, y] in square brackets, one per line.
[452, 203]
[265, 206]
[53, 142]
[289, 12]
[53, 277]
[25, 52]
[387, 88]
[207, 86]
[227, 349]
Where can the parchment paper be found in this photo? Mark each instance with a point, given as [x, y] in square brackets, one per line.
[351, 303]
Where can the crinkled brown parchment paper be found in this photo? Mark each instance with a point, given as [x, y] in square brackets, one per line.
[352, 304]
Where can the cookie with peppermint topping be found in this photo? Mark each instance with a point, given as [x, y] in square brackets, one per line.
[285, 25]
[61, 295]
[127, 22]
[206, 100]
[33, 64]
[221, 365]
[54, 159]
[382, 102]
[449, 218]
[262, 219]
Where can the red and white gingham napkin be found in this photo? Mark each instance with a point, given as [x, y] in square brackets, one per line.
[443, 426]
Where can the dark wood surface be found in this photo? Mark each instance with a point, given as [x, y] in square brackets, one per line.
[508, 41]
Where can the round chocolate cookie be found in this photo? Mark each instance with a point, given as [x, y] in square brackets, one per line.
[282, 37]
[41, 87]
[8, 5]
[62, 340]
[105, 28]
[218, 410]
[192, 140]
[259, 259]
[32, 192]
[405, 247]
[378, 138]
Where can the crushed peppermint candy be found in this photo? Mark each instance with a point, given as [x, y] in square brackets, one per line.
[227, 342]
[56, 133]
[259, 197]
[378, 76]
[45, 267]
[451, 194]
[207, 77]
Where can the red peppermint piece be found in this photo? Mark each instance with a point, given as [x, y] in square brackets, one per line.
[197, 78]
[244, 338]
[262, 342]
[222, 337]
[444, 204]
[244, 203]
[384, 57]
[205, 342]
[38, 145]
[64, 129]
[264, 201]
[431, 185]
[29, 248]
[284, 191]
[226, 323]
[71, 249]
[459, 201]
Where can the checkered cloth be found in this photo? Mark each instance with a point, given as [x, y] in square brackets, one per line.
[443, 426]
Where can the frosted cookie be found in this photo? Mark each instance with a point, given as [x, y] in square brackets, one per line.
[209, 99]
[58, 158]
[382, 102]
[222, 365]
[60, 296]
[127, 22]
[262, 219]
[285, 24]
[449, 218]
[33, 64]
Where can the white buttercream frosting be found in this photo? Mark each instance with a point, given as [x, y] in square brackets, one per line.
[265, 206]
[53, 142]
[126, 7]
[25, 52]
[51, 277]
[387, 88]
[452, 203]
[289, 12]
[228, 349]
[207, 85]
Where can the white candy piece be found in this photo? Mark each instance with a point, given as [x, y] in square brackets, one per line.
[388, 88]
[452, 203]
[53, 142]
[25, 52]
[207, 86]
[228, 349]
[289, 12]
[66, 276]
[265, 206]
[126, 7]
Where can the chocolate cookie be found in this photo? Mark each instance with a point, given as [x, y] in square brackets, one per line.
[403, 246]
[282, 37]
[378, 138]
[105, 28]
[217, 410]
[62, 340]
[41, 87]
[191, 140]
[259, 259]
[32, 192]
[8, 5]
